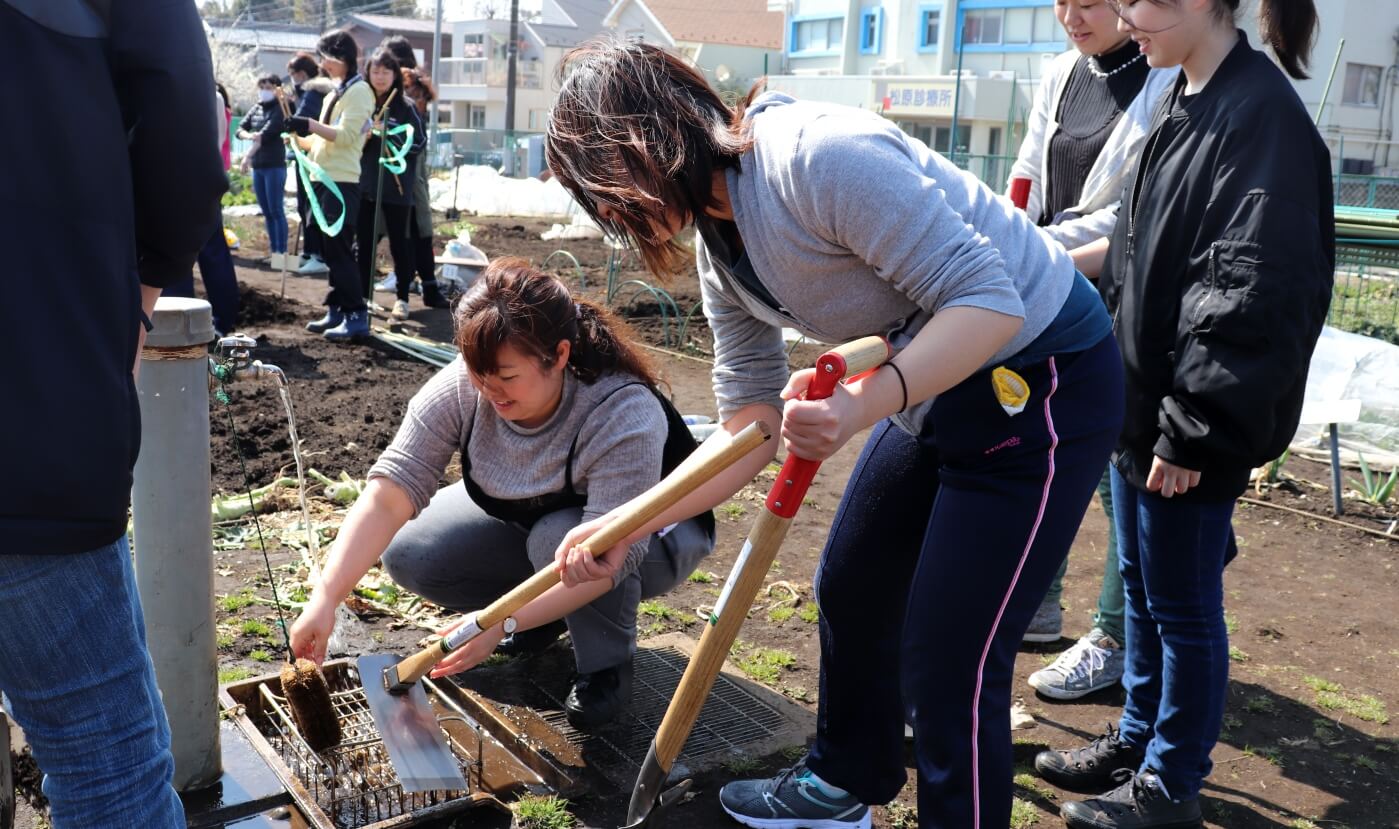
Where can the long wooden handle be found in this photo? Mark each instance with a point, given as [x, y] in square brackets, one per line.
[642, 509]
[764, 540]
[844, 362]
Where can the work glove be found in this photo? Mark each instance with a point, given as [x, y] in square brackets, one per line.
[299, 124]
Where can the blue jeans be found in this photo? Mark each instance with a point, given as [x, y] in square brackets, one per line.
[1172, 554]
[74, 666]
[940, 552]
[269, 185]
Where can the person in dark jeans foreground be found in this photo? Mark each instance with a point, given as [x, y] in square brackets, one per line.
[1219, 275]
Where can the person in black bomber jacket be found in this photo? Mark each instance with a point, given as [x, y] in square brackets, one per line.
[114, 197]
[1218, 276]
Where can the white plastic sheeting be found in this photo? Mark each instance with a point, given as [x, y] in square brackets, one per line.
[1351, 367]
[484, 191]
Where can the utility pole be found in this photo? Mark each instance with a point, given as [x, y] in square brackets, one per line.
[511, 55]
[325, 22]
[432, 108]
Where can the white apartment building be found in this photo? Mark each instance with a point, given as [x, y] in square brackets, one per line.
[900, 58]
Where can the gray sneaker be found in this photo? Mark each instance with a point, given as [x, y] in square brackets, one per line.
[1093, 663]
[1048, 624]
[791, 800]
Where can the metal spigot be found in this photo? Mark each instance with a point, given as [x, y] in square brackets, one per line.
[235, 362]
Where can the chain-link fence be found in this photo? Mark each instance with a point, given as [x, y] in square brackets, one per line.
[1378, 192]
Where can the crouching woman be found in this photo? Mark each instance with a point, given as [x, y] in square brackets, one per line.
[558, 420]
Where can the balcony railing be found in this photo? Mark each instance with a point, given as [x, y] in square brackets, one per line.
[491, 72]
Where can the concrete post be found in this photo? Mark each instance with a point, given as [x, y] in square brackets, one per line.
[174, 535]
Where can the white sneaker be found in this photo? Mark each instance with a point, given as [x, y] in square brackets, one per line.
[314, 265]
[388, 283]
[400, 310]
[1093, 663]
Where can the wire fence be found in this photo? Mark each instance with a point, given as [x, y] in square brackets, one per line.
[1376, 192]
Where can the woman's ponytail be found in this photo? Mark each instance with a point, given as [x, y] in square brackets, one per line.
[606, 343]
[1289, 28]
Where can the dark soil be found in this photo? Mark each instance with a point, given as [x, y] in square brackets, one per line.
[1310, 737]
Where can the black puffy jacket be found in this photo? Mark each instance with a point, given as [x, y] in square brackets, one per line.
[265, 119]
[1219, 276]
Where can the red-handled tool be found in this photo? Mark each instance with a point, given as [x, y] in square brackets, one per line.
[648, 802]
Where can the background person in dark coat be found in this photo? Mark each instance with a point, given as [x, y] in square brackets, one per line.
[118, 193]
[309, 91]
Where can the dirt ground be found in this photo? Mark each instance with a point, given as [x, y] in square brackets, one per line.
[1308, 738]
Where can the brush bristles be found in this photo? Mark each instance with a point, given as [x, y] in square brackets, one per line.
[308, 697]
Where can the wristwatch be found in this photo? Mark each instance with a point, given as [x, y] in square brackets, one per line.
[509, 625]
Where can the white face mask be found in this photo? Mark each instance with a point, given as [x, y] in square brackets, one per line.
[266, 95]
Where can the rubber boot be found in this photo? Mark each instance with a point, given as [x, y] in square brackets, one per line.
[332, 319]
[354, 327]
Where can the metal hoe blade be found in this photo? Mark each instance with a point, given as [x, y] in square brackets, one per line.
[409, 730]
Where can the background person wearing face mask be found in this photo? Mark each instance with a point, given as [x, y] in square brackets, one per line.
[1086, 128]
[263, 125]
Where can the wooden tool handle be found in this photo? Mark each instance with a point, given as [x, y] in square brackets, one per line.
[651, 503]
[859, 356]
[764, 540]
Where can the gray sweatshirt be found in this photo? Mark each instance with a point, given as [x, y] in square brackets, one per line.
[618, 454]
[855, 229]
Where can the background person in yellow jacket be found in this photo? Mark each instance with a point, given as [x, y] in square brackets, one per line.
[334, 143]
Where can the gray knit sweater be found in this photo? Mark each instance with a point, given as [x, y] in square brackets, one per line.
[856, 229]
[617, 456]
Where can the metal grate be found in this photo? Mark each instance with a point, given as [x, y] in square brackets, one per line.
[354, 783]
[731, 721]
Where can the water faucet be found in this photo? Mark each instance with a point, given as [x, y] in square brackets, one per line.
[235, 361]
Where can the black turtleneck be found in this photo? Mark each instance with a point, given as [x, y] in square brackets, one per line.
[1088, 111]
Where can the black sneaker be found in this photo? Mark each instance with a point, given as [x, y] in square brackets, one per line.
[530, 641]
[597, 698]
[433, 297]
[1139, 803]
[1090, 769]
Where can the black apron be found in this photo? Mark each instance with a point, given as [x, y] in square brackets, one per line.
[679, 444]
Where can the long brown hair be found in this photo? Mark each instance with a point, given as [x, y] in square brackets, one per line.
[639, 131]
[533, 312]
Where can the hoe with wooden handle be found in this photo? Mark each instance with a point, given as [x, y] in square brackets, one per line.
[648, 802]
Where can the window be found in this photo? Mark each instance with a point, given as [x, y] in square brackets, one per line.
[928, 26]
[1047, 29]
[993, 142]
[1019, 25]
[871, 31]
[478, 118]
[538, 119]
[822, 35]
[982, 26]
[942, 134]
[1362, 85]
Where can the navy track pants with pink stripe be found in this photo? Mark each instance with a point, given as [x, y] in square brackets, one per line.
[940, 552]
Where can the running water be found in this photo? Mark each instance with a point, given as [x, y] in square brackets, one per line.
[312, 542]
